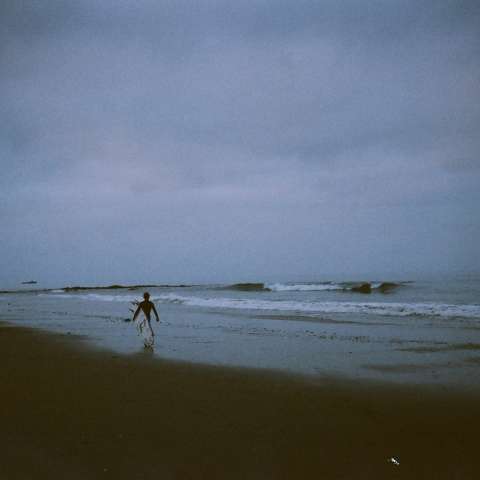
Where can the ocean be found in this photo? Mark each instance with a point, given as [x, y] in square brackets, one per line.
[399, 330]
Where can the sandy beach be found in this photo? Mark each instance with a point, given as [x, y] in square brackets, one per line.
[293, 187]
[72, 412]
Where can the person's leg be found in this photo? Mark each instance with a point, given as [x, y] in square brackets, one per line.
[140, 324]
[149, 335]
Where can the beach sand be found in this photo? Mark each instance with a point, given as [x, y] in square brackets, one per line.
[71, 412]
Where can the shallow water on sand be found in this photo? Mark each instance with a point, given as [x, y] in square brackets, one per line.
[420, 332]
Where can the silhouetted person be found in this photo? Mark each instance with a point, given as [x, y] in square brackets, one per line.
[146, 307]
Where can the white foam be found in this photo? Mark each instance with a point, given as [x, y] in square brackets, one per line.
[372, 308]
[317, 287]
[304, 287]
[94, 296]
[375, 308]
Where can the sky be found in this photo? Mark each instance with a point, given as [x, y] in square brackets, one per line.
[195, 141]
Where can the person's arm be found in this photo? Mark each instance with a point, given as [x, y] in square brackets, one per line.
[155, 312]
[136, 312]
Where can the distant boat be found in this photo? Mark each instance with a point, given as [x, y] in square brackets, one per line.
[31, 282]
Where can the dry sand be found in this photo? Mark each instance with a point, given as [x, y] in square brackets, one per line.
[69, 412]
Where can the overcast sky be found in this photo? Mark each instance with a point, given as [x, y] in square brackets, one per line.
[186, 141]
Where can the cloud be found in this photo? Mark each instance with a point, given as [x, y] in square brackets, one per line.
[237, 123]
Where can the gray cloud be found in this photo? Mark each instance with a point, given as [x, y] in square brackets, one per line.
[212, 140]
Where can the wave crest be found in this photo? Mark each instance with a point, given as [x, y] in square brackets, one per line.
[360, 287]
[310, 307]
[248, 287]
[372, 308]
[304, 287]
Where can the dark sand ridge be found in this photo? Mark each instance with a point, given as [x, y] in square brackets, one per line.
[68, 412]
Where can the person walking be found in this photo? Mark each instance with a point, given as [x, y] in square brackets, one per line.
[143, 326]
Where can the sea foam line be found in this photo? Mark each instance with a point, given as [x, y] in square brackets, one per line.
[372, 308]
[375, 308]
[330, 286]
[94, 296]
[304, 287]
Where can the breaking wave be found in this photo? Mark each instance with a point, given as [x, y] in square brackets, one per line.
[304, 287]
[383, 287]
[95, 297]
[248, 287]
[375, 308]
[311, 307]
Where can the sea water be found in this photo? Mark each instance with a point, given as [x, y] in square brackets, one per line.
[425, 331]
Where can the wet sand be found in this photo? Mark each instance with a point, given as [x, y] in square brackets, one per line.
[70, 412]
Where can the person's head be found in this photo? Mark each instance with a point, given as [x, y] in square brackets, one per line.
[146, 295]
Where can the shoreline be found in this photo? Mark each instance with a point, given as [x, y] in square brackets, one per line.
[70, 411]
[86, 345]
[402, 348]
